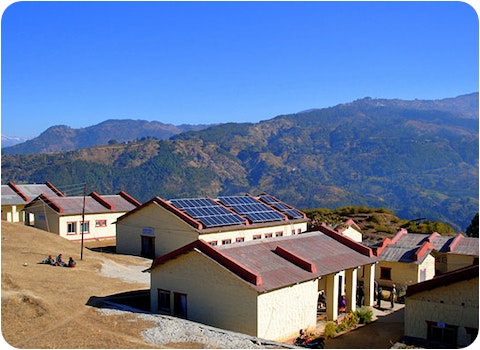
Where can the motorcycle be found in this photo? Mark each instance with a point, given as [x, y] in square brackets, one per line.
[307, 342]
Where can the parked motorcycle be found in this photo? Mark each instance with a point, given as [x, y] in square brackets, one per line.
[308, 342]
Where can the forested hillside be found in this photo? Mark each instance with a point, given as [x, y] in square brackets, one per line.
[416, 158]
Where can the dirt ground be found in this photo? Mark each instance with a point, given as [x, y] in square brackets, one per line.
[45, 306]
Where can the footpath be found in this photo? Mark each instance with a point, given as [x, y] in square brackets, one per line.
[385, 330]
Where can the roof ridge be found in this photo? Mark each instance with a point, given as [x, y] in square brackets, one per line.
[358, 247]
[18, 191]
[102, 201]
[295, 259]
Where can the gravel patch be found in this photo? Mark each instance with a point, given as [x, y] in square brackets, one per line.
[171, 330]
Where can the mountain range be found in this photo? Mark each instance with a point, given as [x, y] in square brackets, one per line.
[64, 138]
[417, 158]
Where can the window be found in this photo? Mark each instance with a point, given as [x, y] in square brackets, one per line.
[226, 241]
[240, 239]
[85, 227]
[71, 228]
[385, 273]
[100, 223]
[257, 236]
[164, 300]
[268, 235]
[441, 332]
[299, 231]
[279, 234]
[213, 243]
[293, 232]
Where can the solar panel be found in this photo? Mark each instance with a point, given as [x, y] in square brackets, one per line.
[291, 212]
[254, 210]
[207, 211]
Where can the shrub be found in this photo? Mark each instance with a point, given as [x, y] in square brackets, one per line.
[330, 329]
[364, 314]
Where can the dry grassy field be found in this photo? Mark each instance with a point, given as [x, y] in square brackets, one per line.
[45, 306]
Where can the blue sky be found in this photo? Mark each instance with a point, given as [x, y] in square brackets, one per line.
[80, 63]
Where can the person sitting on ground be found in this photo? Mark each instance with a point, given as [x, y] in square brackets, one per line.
[49, 260]
[71, 262]
[59, 261]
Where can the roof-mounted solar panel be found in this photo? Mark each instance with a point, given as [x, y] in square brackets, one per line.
[253, 209]
[291, 212]
[207, 211]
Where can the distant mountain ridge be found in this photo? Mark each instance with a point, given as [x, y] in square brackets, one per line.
[64, 138]
[416, 158]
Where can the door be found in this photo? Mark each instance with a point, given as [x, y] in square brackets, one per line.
[148, 247]
[180, 305]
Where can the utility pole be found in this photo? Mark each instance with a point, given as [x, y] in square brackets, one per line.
[83, 217]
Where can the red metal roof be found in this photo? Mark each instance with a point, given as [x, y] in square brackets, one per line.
[280, 261]
[94, 203]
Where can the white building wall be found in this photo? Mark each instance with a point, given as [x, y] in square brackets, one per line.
[101, 226]
[283, 312]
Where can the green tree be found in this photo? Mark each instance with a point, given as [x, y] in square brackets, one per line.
[472, 229]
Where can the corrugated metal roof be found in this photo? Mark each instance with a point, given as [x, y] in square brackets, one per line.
[10, 197]
[466, 246]
[74, 205]
[403, 250]
[327, 254]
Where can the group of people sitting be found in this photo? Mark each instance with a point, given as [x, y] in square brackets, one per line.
[58, 261]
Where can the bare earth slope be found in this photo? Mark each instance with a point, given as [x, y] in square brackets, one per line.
[46, 306]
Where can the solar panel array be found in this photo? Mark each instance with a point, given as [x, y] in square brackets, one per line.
[292, 213]
[254, 210]
[207, 211]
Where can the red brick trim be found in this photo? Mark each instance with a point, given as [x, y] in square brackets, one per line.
[129, 198]
[51, 203]
[295, 259]
[360, 248]
[54, 189]
[18, 191]
[102, 201]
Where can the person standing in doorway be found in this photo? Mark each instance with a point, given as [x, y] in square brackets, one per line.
[393, 294]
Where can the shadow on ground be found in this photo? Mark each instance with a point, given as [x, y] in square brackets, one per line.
[134, 301]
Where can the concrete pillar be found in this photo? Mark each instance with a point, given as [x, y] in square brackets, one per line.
[331, 295]
[368, 284]
[351, 286]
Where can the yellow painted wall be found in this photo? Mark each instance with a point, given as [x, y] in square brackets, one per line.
[214, 295]
[455, 304]
[405, 274]
[457, 261]
[12, 213]
[170, 232]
